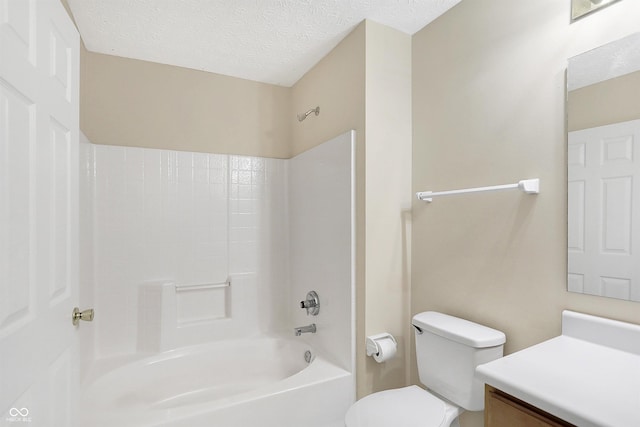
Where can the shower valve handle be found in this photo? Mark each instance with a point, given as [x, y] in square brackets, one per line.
[311, 304]
[307, 304]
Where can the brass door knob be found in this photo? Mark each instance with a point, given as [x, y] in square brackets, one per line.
[77, 316]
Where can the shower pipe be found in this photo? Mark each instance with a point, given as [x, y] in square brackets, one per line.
[302, 116]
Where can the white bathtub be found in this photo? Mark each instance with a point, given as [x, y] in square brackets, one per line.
[262, 381]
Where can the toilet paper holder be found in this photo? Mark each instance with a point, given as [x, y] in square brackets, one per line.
[373, 348]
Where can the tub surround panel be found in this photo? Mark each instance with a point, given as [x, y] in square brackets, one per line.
[321, 191]
[274, 229]
[183, 218]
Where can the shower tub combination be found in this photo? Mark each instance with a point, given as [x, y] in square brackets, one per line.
[191, 358]
[262, 381]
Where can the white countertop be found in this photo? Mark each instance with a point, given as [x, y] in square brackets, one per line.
[574, 376]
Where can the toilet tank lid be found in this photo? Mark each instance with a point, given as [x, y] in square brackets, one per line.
[459, 330]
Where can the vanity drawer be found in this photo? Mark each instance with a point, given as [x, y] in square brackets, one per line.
[503, 410]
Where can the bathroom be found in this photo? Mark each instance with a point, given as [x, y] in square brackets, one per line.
[475, 98]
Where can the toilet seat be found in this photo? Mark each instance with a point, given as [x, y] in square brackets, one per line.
[410, 406]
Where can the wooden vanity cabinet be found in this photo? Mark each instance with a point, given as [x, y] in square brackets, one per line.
[504, 410]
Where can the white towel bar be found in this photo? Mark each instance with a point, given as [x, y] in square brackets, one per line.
[529, 186]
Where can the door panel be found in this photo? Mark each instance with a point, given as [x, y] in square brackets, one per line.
[39, 65]
[604, 197]
[16, 121]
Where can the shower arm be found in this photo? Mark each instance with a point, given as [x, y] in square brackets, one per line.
[302, 116]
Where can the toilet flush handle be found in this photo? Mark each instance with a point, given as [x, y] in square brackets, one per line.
[418, 329]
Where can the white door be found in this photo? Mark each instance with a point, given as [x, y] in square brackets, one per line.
[39, 49]
[604, 210]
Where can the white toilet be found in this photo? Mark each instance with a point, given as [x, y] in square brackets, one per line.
[448, 349]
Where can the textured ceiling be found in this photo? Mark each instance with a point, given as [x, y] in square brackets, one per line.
[272, 41]
[606, 62]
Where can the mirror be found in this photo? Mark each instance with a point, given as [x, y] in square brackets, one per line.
[580, 8]
[603, 122]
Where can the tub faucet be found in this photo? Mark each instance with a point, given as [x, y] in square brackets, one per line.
[304, 329]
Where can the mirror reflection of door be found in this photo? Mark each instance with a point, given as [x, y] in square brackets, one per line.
[602, 201]
[604, 170]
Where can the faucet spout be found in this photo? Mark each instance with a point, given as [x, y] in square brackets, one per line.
[305, 329]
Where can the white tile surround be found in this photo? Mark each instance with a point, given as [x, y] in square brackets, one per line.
[163, 217]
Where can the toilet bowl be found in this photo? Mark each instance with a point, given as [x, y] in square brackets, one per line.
[448, 349]
[406, 407]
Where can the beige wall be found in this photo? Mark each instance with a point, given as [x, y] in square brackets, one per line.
[388, 202]
[337, 85]
[604, 103]
[489, 108]
[143, 104]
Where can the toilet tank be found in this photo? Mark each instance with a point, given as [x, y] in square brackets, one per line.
[448, 349]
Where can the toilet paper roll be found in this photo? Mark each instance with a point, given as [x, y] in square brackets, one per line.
[386, 350]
